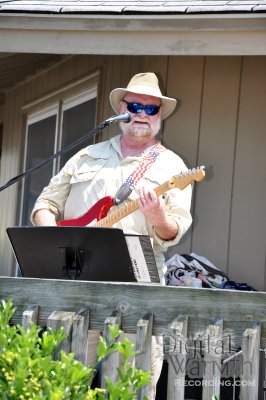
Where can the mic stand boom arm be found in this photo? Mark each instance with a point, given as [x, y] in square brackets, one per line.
[123, 117]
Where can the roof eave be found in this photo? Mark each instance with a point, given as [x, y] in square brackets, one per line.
[176, 34]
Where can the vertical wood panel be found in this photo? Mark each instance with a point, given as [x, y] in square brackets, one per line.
[112, 81]
[181, 130]
[125, 67]
[216, 151]
[248, 223]
[11, 151]
[158, 65]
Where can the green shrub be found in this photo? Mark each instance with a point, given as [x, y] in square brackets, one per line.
[28, 371]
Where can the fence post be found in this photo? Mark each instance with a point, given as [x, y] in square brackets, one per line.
[110, 364]
[63, 319]
[212, 360]
[176, 357]
[144, 347]
[30, 315]
[80, 329]
[250, 368]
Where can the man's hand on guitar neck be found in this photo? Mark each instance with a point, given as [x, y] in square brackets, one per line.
[154, 211]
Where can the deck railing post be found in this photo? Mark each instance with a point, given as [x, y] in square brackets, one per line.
[176, 354]
[80, 329]
[30, 315]
[63, 319]
[111, 363]
[144, 347]
[212, 360]
[250, 367]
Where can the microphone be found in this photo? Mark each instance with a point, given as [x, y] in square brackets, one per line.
[125, 117]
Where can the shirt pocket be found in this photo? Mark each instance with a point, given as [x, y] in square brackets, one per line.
[87, 171]
[156, 177]
[159, 180]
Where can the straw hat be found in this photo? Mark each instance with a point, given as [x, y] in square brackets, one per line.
[144, 83]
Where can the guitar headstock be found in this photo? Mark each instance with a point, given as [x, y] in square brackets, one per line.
[185, 178]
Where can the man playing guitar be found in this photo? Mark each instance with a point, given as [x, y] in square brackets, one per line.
[101, 169]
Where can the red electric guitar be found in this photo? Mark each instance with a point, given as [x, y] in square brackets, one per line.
[99, 210]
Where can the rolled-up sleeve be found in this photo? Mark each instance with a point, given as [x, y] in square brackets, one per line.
[177, 201]
[54, 196]
[177, 204]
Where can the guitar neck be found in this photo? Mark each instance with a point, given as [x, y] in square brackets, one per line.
[129, 208]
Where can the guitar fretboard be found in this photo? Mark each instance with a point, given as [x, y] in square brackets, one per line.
[127, 209]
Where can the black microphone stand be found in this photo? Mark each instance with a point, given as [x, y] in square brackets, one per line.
[118, 118]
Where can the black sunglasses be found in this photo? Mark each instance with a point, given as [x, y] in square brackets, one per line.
[136, 108]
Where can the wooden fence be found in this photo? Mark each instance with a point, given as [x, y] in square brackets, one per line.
[205, 330]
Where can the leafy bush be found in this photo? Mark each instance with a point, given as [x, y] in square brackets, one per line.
[28, 371]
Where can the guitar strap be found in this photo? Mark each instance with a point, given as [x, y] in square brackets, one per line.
[127, 187]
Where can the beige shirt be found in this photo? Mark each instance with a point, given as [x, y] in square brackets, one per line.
[98, 171]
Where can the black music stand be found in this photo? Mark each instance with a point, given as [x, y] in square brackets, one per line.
[82, 253]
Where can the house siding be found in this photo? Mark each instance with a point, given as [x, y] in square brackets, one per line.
[220, 124]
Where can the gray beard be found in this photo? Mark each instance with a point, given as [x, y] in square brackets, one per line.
[144, 131]
[140, 132]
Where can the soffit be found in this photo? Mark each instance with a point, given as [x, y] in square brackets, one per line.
[14, 68]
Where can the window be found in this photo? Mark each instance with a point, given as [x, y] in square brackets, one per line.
[50, 130]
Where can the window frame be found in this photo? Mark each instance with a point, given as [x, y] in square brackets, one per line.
[55, 104]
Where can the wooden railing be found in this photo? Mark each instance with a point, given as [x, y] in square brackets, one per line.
[204, 329]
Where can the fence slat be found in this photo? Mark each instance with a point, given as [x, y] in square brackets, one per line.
[63, 319]
[30, 315]
[80, 329]
[212, 360]
[176, 355]
[110, 364]
[143, 347]
[250, 352]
